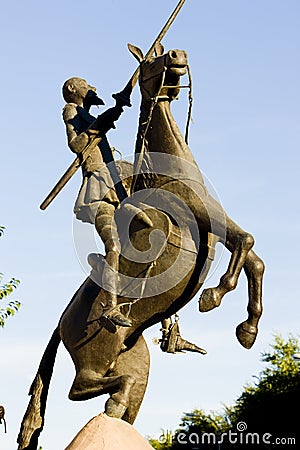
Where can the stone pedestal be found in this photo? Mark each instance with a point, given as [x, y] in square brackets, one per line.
[107, 433]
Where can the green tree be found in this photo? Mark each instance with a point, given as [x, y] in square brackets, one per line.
[10, 307]
[193, 425]
[201, 428]
[164, 442]
[269, 405]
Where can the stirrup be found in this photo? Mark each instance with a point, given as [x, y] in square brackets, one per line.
[114, 315]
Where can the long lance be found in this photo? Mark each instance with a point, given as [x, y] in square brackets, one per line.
[121, 97]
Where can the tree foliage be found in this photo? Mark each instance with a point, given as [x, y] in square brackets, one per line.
[164, 442]
[269, 405]
[9, 308]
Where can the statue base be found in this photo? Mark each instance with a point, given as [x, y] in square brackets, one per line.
[107, 433]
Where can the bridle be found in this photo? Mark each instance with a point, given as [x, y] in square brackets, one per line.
[154, 100]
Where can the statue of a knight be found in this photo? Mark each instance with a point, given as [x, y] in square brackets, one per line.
[97, 199]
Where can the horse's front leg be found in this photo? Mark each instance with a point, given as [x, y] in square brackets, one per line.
[240, 243]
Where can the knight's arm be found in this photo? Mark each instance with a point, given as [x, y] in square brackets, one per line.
[76, 142]
[101, 125]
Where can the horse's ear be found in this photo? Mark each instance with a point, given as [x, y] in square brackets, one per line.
[159, 49]
[137, 52]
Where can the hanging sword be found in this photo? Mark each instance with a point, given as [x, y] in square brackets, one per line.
[122, 98]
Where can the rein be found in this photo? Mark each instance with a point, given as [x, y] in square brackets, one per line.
[154, 101]
[189, 116]
[188, 86]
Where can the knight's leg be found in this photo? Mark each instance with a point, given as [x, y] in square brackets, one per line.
[172, 342]
[107, 230]
[165, 338]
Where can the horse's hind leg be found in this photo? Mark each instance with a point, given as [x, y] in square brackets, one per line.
[239, 243]
[89, 384]
[135, 360]
[126, 392]
[254, 268]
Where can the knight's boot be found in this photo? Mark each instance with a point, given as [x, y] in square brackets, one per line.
[112, 310]
[182, 345]
[172, 342]
[117, 317]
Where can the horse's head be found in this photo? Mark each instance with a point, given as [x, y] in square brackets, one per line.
[160, 74]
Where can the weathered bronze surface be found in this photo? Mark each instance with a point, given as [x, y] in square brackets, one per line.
[162, 263]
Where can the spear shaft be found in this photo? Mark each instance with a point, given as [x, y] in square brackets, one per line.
[134, 78]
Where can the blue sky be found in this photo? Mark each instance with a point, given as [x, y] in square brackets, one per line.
[244, 58]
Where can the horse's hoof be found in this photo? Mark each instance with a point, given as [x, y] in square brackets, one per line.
[114, 408]
[246, 334]
[209, 299]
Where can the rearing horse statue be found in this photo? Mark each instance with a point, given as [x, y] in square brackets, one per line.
[162, 143]
[161, 267]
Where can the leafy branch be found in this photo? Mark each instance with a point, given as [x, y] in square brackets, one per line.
[5, 290]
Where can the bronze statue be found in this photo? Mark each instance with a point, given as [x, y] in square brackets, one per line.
[157, 92]
[162, 264]
[101, 192]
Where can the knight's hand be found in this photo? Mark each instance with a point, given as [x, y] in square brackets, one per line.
[105, 121]
[122, 98]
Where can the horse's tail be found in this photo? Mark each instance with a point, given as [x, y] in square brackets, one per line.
[33, 420]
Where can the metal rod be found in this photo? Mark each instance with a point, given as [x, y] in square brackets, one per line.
[134, 78]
